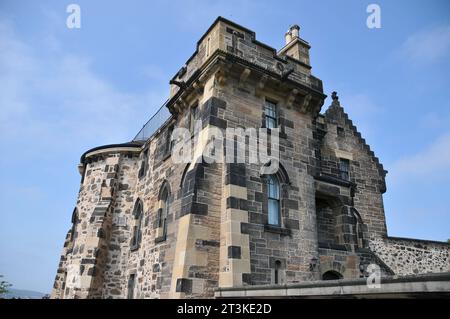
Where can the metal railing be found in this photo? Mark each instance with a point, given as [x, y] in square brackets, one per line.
[154, 123]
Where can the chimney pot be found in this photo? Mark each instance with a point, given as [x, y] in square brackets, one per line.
[292, 33]
[288, 37]
[295, 31]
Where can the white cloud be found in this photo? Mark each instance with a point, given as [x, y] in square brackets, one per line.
[57, 100]
[427, 46]
[431, 163]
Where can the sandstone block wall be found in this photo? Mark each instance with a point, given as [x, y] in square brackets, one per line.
[217, 232]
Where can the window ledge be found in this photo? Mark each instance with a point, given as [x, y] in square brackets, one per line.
[281, 134]
[134, 248]
[333, 246]
[334, 180]
[277, 230]
[160, 239]
[166, 156]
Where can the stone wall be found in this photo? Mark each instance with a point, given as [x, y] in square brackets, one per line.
[412, 256]
[343, 141]
[217, 232]
[293, 244]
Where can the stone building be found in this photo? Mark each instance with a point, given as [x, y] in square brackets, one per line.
[145, 226]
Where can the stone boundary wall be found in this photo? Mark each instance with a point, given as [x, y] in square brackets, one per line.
[412, 256]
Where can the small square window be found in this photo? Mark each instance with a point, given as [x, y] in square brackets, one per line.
[340, 131]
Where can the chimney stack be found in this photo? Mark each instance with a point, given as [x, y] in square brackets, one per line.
[297, 48]
[292, 33]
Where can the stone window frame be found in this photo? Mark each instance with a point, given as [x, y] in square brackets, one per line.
[162, 218]
[75, 220]
[208, 47]
[194, 110]
[340, 131]
[144, 163]
[344, 169]
[63, 285]
[280, 120]
[138, 213]
[284, 183]
[274, 117]
[278, 270]
[131, 286]
[273, 181]
[168, 141]
[165, 211]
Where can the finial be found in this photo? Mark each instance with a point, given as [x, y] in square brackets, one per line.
[334, 96]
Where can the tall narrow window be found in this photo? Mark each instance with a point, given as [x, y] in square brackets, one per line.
[270, 114]
[277, 272]
[63, 285]
[165, 211]
[169, 141]
[73, 233]
[340, 131]
[192, 118]
[273, 199]
[131, 284]
[208, 46]
[344, 168]
[137, 233]
[144, 164]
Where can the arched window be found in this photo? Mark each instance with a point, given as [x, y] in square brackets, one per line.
[273, 200]
[138, 213]
[144, 164]
[164, 210]
[277, 272]
[331, 275]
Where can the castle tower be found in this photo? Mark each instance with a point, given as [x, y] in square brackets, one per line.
[148, 225]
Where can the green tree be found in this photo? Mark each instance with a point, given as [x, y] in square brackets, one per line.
[448, 240]
[4, 285]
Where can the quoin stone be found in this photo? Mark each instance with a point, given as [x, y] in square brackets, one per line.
[147, 227]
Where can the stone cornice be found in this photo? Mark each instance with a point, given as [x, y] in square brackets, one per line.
[224, 61]
[124, 147]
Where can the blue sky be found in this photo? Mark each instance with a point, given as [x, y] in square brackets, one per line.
[63, 91]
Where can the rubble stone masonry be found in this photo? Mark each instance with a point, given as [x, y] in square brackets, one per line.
[146, 226]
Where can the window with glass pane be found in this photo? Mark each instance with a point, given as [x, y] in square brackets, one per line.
[131, 284]
[137, 228]
[270, 113]
[144, 164]
[273, 200]
[165, 211]
[193, 118]
[169, 141]
[344, 166]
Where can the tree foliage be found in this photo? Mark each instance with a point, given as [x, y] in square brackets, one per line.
[4, 285]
